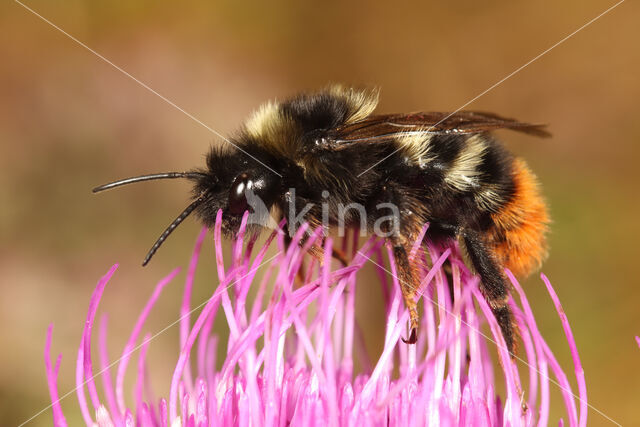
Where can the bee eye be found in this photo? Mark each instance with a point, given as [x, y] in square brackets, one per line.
[237, 198]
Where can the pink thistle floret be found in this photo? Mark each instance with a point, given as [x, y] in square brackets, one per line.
[292, 350]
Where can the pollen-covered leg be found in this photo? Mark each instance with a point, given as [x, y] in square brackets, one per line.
[493, 286]
[317, 251]
[409, 284]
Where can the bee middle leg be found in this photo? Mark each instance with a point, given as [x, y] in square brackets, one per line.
[409, 285]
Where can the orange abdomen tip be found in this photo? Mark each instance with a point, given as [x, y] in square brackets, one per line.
[518, 238]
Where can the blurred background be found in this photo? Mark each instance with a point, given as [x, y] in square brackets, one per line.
[70, 121]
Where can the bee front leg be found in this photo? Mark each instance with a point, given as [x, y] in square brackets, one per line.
[409, 284]
[493, 285]
[317, 251]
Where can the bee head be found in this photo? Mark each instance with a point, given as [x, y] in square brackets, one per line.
[235, 183]
[232, 183]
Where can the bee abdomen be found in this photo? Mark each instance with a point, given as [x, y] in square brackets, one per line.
[517, 237]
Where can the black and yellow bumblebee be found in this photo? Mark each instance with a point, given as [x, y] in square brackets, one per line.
[329, 148]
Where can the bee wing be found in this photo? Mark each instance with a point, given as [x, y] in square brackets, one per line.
[383, 127]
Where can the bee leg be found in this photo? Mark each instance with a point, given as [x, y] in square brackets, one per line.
[493, 285]
[340, 256]
[300, 273]
[409, 285]
[448, 273]
[317, 252]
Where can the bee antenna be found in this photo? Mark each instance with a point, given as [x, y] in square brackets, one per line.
[176, 222]
[150, 177]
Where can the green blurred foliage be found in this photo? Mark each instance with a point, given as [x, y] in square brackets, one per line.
[69, 121]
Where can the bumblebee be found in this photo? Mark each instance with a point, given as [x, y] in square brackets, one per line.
[329, 149]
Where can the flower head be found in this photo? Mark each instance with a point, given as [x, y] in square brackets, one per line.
[291, 350]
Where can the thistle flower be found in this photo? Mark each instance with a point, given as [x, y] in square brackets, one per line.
[291, 351]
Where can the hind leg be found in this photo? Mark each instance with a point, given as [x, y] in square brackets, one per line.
[493, 285]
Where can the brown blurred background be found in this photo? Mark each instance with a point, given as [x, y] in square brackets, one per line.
[69, 121]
